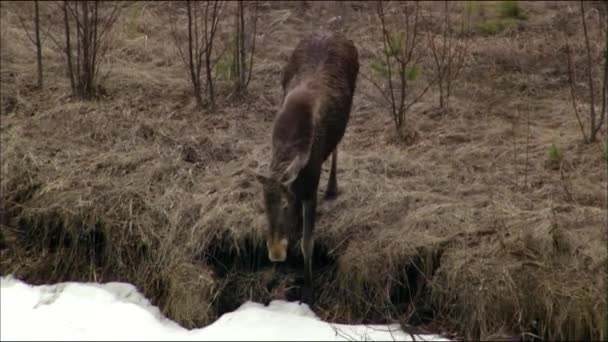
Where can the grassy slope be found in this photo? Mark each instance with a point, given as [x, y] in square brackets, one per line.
[467, 220]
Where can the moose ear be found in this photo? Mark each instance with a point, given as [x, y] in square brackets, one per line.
[291, 173]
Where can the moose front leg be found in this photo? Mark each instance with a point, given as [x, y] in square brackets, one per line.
[310, 206]
[332, 183]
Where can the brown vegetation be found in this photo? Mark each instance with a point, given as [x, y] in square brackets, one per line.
[463, 230]
[596, 70]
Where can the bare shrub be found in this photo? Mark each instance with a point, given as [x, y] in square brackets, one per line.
[196, 49]
[397, 65]
[243, 54]
[594, 85]
[448, 50]
[87, 27]
[27, 23]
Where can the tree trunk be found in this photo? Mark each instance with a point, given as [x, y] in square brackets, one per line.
[78, 66]
[441, 94]
[241, 40]
[604, 93]
[196, 84]
[592, 130]
[68, 47]
[86, 52]
[209, 78]
[38, 44]
[93, 43]
[209, 38]
[252, 50]
[236, 59]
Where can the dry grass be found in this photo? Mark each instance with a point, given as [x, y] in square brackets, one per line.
[145, 188]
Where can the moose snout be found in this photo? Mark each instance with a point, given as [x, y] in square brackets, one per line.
[277, 250]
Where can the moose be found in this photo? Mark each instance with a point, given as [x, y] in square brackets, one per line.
[318, 84]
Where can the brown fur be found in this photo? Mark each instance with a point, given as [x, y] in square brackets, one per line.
[318, 86]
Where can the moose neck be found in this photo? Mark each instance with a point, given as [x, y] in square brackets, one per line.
[293, 129]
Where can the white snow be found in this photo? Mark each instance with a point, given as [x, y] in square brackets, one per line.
[117, 311]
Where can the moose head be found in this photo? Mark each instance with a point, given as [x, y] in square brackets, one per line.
[282, 208]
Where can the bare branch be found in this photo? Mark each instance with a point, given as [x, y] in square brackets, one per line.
[377, 86]
[176, 40]
[417, 98]
[68, 47]
[255, 20]
[589, 75]
[571, 80]
[38, 43]
[74, 13]
[92, 24]
[25, 28]
[386, 51]
[450, 61]
[604, 110]
[111, 20]
[219, 56]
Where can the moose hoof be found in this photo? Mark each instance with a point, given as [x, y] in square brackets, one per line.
[331, 194]
[306, 296]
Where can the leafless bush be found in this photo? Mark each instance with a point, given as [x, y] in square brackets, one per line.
[396, 67]
[596, 118]
[35, 39]
[242, 71]
[87, 27]
[448, 50]
[39, 21]
[197, 50]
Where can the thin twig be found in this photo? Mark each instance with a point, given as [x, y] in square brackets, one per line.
[377, 86]
[527, 148]
[571, 78]
[515, 149]
[589, 76]
[387, 46]
[605, 79]
[255, 20]
[25, 28]
[176, 39]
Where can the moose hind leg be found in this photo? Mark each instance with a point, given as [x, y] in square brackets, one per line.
[332, 183]
[307, 294]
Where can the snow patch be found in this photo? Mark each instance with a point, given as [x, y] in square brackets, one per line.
[118, 311]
